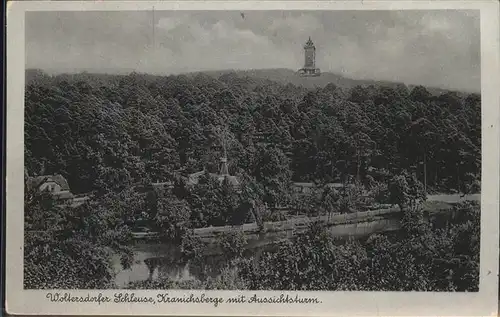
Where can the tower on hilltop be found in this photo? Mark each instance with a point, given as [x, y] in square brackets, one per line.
[309, 69]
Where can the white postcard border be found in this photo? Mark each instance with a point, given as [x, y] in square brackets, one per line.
[482, 303]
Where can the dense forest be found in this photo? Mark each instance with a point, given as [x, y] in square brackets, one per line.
[105, 131]
[107, 134]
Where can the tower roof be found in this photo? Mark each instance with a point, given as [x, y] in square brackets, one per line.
[309, 43]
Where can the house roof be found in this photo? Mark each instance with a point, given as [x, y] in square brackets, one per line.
[233, 180]
[335, 185]
[194, 178]
[197, 174]
[162, 185]
[298, 184]
[39, 180]
[63, 195]
[331, 185]
[78, 201]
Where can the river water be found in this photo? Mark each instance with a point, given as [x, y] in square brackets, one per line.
[169, 264]
[139, 271]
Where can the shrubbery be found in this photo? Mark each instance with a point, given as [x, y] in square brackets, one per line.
[71, 248]
[418, 259]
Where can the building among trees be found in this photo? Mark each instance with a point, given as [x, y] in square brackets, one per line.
[223, 174]
[58, 187]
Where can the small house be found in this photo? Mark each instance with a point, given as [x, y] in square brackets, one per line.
[58, 187]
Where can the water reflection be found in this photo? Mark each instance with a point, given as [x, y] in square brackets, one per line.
[155, 261]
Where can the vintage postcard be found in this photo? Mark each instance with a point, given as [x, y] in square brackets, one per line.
[253, 158]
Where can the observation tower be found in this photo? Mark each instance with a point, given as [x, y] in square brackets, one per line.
[309, 69]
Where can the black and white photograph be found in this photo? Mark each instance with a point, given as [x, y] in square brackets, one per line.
[253, 150]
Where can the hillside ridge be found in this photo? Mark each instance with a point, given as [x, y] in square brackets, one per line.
[282, 76]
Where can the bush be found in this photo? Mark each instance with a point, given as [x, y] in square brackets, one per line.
[406, 191]
[380, 193]
[166, 284]
[229, 279]
[74, 263]
[172, 218]
[433, 260]
[353, 199]
[71, 248]
[191, 248]
[232, 244]
[274, 215]
[313, 262]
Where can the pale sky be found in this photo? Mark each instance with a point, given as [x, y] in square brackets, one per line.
[433, 48]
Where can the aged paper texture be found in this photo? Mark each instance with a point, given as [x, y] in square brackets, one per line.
[253, 158]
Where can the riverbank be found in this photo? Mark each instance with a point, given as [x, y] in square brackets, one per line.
[318, 261]
[339, 225]
[364, 222]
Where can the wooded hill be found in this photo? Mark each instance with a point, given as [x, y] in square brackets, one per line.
[279, 75]
[105, 131]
